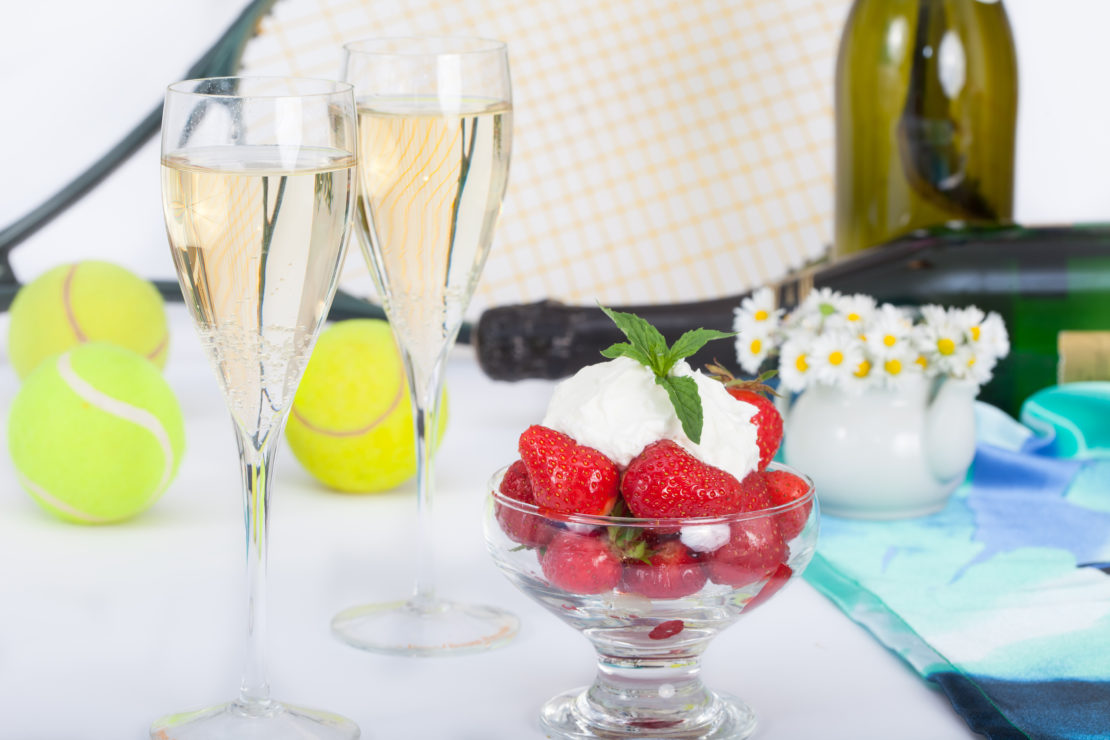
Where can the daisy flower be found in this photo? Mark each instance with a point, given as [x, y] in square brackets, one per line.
[991, 339]
[978, 367]
[939, 339]
[898, 367]
[756, 312]
[970, 318]
[837, 357]
[795, 368]
[863, 376]
[889, 333]
[853, 313]
[752, 348]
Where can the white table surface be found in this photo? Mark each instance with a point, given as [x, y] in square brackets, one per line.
[103, 629]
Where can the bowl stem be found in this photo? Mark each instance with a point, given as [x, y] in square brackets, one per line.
[659, 696]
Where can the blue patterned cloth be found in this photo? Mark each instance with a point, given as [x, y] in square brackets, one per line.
[1002, 598]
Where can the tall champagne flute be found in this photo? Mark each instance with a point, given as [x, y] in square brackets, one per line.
[257, 191]
[435, 127]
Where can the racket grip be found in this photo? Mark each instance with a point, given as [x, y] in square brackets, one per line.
[551, 340]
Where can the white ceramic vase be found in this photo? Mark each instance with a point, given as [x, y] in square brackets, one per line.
[883, 454]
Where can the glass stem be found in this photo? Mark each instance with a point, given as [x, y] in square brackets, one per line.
[257, 468]
[425, 406]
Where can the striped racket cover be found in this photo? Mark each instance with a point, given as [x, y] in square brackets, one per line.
[663, 151]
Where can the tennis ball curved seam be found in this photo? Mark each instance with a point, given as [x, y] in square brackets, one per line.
[74, 324]
[398, 394]
[143, 418]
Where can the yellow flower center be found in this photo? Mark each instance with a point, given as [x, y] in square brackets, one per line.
[756, 346]
[894, 367]
[836, 357]
[922, 361]
[863, 369]
[801, 364]
[761, 315]
[889, 340]
[853, 316]
[971, 361]
[946, 346]
[975, 332]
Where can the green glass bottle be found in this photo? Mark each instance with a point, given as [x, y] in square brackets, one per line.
[926, 107]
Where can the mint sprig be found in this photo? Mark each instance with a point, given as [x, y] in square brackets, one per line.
[648, 347]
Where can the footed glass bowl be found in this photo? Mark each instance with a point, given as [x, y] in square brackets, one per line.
[649, 594]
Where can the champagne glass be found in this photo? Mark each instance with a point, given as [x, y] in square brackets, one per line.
[435, 127]
[257, 189]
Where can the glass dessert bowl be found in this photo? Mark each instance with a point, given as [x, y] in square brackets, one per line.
[649, 594]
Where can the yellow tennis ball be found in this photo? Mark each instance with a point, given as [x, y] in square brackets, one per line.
[89, 301]
[351, 423]
[96, 434]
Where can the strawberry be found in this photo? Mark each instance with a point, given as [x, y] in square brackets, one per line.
[567, 477]
[663, 630]
[666, 481]
[530, 530]
[785, 488]
[753, 553]
[580, 564]
[767, 419]
[671, 572]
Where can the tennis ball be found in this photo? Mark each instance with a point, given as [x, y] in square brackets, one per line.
[86, 302]
[351, 423]
[96, 434]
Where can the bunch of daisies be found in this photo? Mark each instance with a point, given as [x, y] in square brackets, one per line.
[852, 342]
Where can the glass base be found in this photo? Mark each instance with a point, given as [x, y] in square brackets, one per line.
[572, 715]
[266, 721]
[432, 628]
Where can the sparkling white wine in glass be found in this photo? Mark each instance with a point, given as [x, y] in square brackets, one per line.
[258, 180]
[431, 190]
[256, 242]
[435, 132]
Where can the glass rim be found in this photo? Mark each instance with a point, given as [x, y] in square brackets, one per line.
[654, 522]
[337, 87]
[482, 45]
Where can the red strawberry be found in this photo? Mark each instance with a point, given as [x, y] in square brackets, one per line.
[663, 630]
[753, 553]
[667, 481]
[531, 530]
[567, 477]
[785, 488]
[767, 419]
[580, 564]
[671, 572]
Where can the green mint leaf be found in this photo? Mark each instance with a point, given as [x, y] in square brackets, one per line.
[624, 349]
[691, 342]
[643, 336]
[683, 392]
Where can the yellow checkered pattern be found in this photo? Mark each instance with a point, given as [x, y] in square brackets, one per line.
[663, 150]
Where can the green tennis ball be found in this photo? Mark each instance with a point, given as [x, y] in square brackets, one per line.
[96, 434]
[351, 424]
[88, 301]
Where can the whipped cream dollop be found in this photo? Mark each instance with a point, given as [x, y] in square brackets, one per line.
[617, 408]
